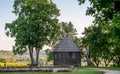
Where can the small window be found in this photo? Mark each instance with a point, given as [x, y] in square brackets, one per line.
[73, 55]
[59, 55]
[55, 55]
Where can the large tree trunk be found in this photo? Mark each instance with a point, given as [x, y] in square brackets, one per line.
[31, 56]
[89, 62]
[107, 61]
[88, 59]
[96, 61]
[37, 56]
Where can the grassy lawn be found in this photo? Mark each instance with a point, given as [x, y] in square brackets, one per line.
[109, 68]
[113, 68]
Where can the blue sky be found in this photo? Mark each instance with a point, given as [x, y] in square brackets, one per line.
[69, 10]
[6, 15]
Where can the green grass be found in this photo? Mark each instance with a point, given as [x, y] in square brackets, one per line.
[112, 68]
[109, 68]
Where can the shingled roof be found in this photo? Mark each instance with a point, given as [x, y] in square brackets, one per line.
[67, 45]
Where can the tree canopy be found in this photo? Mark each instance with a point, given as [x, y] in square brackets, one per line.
[102, 9]
[35, 26]
[103, 35]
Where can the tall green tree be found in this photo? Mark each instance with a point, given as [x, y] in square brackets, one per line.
[91, 41]
[115, 30]
[68, 29]
[35, 26]
[97, 39]
[106, 11]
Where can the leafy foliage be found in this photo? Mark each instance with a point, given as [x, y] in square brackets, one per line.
[103, 36]
[102, 9]
[66, 29]
[116, 38]
[35, 26]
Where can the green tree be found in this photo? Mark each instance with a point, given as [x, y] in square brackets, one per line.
[106, 11]
[97, 39]
[91, 40]
[102, 9]
[115, 30]
[35, 26]
[66, 29]
[49, 54]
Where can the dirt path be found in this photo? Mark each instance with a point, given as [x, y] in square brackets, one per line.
[107, 71]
